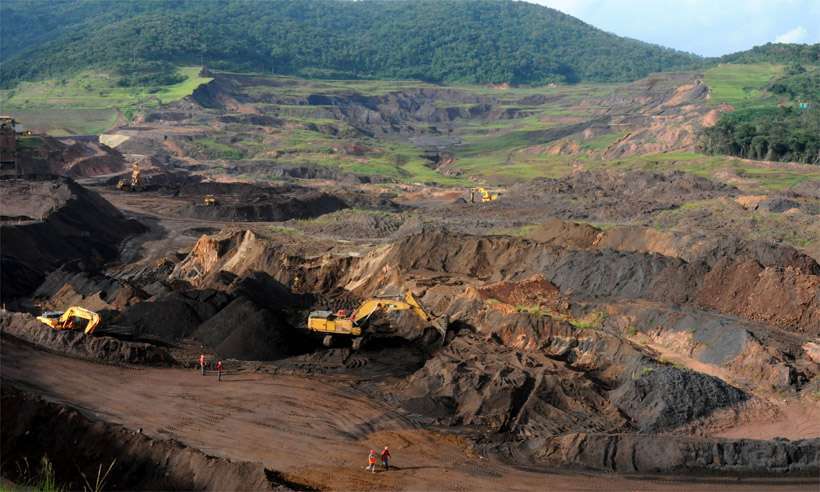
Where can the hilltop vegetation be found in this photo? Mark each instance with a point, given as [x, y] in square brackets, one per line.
[775, 119]
[482, 41]
[779, 53]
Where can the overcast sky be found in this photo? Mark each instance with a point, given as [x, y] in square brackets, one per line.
[705, 27]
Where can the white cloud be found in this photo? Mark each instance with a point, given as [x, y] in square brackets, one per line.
[796, 35]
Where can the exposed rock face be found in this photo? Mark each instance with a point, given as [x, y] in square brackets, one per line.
[637, 453]
[719, 280]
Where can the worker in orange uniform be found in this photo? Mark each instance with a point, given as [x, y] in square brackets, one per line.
[386, 458]
[219, 370]
[371, 461]
[202, 363]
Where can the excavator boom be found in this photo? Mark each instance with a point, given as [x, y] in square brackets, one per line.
[326, 322]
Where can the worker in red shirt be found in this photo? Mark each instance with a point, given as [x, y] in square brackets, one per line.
[202, 363]
[386, 458]
[219, 370]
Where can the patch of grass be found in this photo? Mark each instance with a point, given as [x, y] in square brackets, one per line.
[61, 122]
[217, 150]
[602, 142]
[283, 230]
[592, 321]
[29, 142]
[520, 231]
[87, 102]
[740, 85]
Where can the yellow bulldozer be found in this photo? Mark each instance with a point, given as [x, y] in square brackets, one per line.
[73, 318]
[135, 184]
[482, 195]
[339, 324]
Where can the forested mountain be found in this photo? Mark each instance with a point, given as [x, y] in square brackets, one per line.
[475, 41]
[777, 53]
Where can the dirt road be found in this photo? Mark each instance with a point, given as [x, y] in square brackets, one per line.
[315, 432]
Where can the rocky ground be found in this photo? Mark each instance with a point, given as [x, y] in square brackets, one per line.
[585, 337]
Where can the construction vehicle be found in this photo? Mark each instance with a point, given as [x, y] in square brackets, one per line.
[135, 184]
[73, 318]
[338, 324]
[209, 200]
[482, 195]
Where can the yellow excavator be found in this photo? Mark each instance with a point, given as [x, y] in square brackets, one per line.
[209, 201]
[74, 318]
[338, 324]
[136, 180]
[482, 195]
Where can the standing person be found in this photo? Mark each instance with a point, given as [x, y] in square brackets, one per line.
[219, 370]
[371, 461]
[386, 458]
[202, 363]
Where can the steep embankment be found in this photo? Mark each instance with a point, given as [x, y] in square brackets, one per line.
[76, 157]
[49, 221]
[79, 448]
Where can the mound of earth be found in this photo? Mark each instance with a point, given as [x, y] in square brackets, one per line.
[663, 397]
[498, 389]
[612, 195]
[242, 330]
[354, 224]
[75, 343]
[535, 292]
[244, 202]
[76, 157]
[691, 247]
[48, 221]
[79, 448]
[62, 288]
[172, 316]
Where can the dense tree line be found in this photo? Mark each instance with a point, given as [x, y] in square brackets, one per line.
[797, 83]
[472, 41]
[779, 53]
[784, 133]
[772, 134]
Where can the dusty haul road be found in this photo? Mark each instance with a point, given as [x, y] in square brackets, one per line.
[316, 433]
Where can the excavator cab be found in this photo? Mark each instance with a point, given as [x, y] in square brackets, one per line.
[74, 318]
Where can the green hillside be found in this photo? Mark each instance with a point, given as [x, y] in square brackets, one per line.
[468, 41]
[779, 53]
[776, 113]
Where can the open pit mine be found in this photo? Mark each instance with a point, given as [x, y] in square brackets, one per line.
[177, 320]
